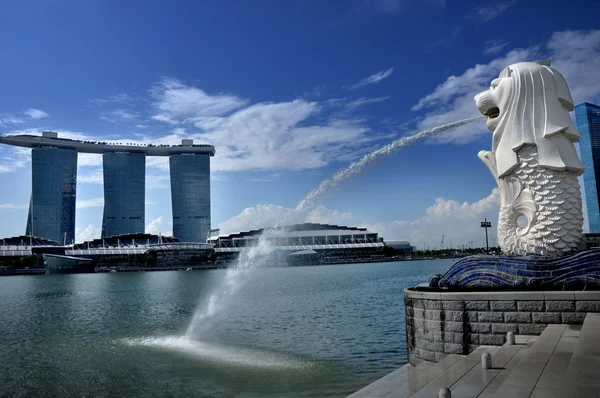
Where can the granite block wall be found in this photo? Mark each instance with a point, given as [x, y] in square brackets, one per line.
[438, 324]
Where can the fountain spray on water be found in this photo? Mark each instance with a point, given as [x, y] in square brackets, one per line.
[255, 256]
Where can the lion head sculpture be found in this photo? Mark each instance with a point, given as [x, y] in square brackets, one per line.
[529, 104]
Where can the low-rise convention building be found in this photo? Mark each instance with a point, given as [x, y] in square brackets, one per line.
[307, 236]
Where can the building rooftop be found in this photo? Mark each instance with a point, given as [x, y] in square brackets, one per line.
[50, 139]
[26, 241]
[304, 229]
[126, 240]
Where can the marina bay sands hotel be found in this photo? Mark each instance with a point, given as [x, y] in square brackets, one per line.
[54, 185]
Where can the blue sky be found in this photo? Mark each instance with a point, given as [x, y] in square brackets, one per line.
[288, 92]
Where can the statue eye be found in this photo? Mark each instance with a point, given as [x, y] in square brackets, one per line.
[494, 84]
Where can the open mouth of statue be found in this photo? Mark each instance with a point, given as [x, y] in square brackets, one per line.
[493, 112]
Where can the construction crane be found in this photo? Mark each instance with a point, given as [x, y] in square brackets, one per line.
[442, 244]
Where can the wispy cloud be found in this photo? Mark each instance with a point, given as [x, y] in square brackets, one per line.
[265, 178]
[97, 202]
[12, 206]
[493, 47]
[121, 98]
[365, 101]
[13, 158]
[373, 79]
[176, 102]
[158, 180]
[576, 54]
[271, 136]
[86, 203]
[93, 176]
[490, 11]
[10, 120]
[36, 113]
[118, 116]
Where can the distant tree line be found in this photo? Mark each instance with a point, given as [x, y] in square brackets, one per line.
[33, 261]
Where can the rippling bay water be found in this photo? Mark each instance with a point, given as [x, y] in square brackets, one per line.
[288, 332]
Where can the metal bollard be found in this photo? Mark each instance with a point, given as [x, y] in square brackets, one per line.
[486, 360]
[510, 338]
[444, 393]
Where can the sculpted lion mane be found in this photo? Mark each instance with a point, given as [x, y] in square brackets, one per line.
[533, 159]
[529, 104]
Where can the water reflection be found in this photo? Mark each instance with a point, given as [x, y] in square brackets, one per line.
[305, 331]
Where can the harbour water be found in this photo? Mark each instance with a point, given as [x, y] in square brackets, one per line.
[321, 331]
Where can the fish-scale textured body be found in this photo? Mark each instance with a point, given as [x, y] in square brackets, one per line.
[551, 202]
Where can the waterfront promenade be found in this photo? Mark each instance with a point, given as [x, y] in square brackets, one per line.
[562, 362]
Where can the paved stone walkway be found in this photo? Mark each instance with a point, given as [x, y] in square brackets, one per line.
[563, 362]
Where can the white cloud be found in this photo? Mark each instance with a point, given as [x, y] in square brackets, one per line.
[160, 226]
[12, 206]
[490, 11]
[293, 135]
[14, 158]
[122, 98]
[176, 102]
[158, 181]
[96, 202]
[8, 120]
[269, 215]
[373, 79]
[493, 47]
[87, 234]
[93, 176]
[119, 115]
[459, 222]
[265, 178]
[85, 203]
[365, 101]
[36, 113]
[89, 159]
[576, 54]
[274, 136]
[473, 79]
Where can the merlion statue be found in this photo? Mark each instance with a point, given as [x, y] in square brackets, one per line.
[533, 159]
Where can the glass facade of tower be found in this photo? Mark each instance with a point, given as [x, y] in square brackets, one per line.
[190, 196]
[124, 193]
[588, 124]
[52, 203]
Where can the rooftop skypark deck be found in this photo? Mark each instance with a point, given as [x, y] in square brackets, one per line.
[51, 139]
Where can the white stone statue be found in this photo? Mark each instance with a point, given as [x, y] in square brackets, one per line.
[534, 160]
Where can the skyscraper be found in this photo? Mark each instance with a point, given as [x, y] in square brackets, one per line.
[190, 196]
[54, 175]
[588, 124]
[53, 186]
[124, 192]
